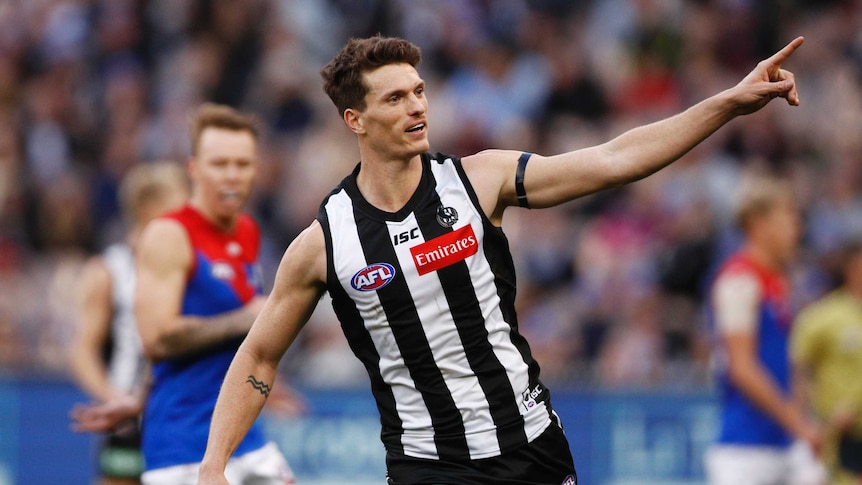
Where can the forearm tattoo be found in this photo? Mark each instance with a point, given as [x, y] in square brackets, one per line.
[259, 385]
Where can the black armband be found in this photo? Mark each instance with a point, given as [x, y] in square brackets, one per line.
[519, 180]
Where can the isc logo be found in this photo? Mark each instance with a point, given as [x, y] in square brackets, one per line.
[373, 277]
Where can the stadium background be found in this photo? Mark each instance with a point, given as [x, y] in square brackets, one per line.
[610, 286]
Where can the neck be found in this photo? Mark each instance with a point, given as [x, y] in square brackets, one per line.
[389, 184]
[764, 257]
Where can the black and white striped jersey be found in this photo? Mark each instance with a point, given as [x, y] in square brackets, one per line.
[425, 297]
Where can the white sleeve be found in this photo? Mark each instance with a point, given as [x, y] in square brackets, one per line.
[736, 302]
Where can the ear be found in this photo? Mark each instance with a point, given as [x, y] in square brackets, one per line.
[353, 120]
[191, 167]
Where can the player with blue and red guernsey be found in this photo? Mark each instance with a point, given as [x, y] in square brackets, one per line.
[199, 291]
[741, 420]
[751, 313]
[223, 278]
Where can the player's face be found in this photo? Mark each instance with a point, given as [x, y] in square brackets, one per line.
[784, 226]
[394, 122]
[223, 171]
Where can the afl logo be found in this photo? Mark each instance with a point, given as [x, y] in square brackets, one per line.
[373, 277]
[222, 271]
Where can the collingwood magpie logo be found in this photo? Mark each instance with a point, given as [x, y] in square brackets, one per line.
[447, 216]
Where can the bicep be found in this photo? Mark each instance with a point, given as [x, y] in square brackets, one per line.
[554, 180]
[547, 181]
[740, 348]
[163, 260]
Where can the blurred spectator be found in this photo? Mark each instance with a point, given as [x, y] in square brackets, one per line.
[827, 348]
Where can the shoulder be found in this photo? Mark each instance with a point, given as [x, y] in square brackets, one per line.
[248, 230]
[164, 238]
[305, 257]
[737, 272]
[492, 158]
[95, 275]
[737, 283]
[823, 311]
[492, 175]
[310, 242]
[247, 223]
[164, 230]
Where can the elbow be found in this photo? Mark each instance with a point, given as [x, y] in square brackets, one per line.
[153, 351]
[616, 172]
[621, 167]
[156, 347]
[739, 371]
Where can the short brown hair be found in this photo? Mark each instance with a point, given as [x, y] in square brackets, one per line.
[212, 115]
[758, 195]
[342, 76]
[149, 181]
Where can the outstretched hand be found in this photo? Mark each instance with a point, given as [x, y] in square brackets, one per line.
[104, 416]
[768, 81]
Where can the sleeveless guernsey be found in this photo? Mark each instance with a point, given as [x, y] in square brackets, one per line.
[224, 276]
[425, 297]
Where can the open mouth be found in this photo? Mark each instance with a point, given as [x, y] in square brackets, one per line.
[230, 195]
[416, 128]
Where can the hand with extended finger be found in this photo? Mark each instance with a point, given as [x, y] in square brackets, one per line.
[766, 82]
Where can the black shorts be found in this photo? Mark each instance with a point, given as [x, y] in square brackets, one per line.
[545, 460]
[850, 454]
[120, 455]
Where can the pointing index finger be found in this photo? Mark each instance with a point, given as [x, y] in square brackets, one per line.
[779, 57]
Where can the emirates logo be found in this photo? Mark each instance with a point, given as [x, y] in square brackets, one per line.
[445, 250]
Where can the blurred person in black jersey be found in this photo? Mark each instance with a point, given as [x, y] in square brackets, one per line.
[106, 319]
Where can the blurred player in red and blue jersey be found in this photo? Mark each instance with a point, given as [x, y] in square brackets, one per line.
[760, 419]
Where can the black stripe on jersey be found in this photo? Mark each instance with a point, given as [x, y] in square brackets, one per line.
[406, 327]
[499, 256]
[363, 347]
[467, 315]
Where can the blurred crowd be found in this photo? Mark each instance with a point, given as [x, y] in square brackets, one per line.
[611, 286]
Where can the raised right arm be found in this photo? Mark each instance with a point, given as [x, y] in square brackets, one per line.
[299, 284]
[164, 257]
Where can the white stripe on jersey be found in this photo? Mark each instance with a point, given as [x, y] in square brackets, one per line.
[126, 368]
